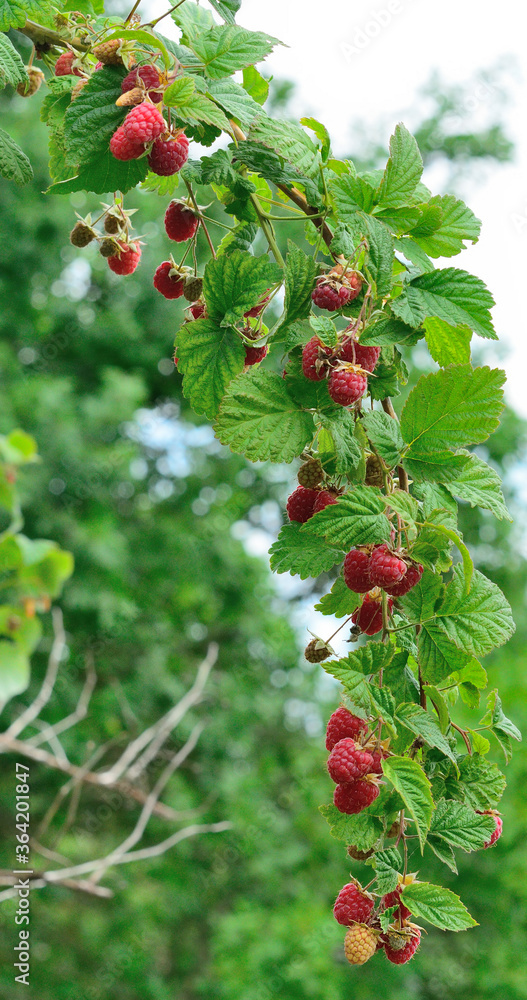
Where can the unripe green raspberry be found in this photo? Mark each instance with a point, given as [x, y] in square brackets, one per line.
[317, 650]
[374, 471]
[111, 224]
[310, 473]
[81, 235]
[108, 248]
[193, 288]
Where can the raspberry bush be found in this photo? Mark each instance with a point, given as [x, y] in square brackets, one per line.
[312, 382]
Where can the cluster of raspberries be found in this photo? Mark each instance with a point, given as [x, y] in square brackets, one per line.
[346, 367]
[145, 130]
[359, 911]
[353, 767]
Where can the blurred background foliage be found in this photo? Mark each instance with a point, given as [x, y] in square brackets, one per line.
[151, 506]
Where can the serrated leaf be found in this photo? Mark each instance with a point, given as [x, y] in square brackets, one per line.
[460, 826]
[180, 92]
[383, 706]
[103, 174]
[14, 164]
[14, 13]
[379, 258]
[259, 419]
[480, 485]
[240, 238]
[362, 830]
[479, 743]
[354, 684]
[321, 133]
[481, 782]
[352, 194]
[496, 718]
[235, 100]
[433, 467]
[455, 296]
[387, 865]
[225, 49]
[226, 9]
[368, 659]
[418, 721]
[439, 906]
[291, 553]
[385, 435]
[234, 283]
[403, 170]
[209, 357]
[300, 273]
[357, 518]
[404, 505]
[196, 108]
[458, 224]
[443, 851]
[289, 141]
[448, 345]
[388, 331]
[410, 781]
[193, 19]
[12, 68]
[92, 118]
[452, 408]
[255, 84]
[478, 622]
[439, 704]
[341, 601]
[341, 425]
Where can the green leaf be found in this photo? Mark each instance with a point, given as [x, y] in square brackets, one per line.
[235, 100]
[452, 408]
[404, 505]
[341, 425]
[481, 782]
[439, 906]
[476, 623]
[14, 670]
[403, 170]
[321, 133]
[433, 467]
[414, 718]
[387, 865]
[14, 13]
[363, 831]
[289, 141]
[225, 49]
[480, 484]
[104, 174]
[235, 282]
[209, 357]
[379, 259]
[439, 704]
[496, 718]
[18, 448]
[196, 108]
[350, 195]
[341, 601]
[460, 826]
[368, 659]
[240, 238]
[388, 331]
[354, 684]
[443, 851]
[255, 84]
[45, 567]
[385, 435]
[180, 92]
[12, 68]
[300, 273]
[226, 9]
[14, 163]
[292, 554]
[92, 118]
[458, 224]
[357, 518]
[193, 19]
[149, 38]
[448, 345]
[455, 296]
[410, 781]
[259, 419]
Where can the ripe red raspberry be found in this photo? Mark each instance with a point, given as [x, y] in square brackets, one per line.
[394, 899]
[144, 123]
[198, 310]
[368, 616]
[314, 366]
[412, 576]
[167, 156]
[352, 797]
[255, 354]
[496, 833]
[126, 261]
[123, 148]
[258, 308]
[63, 65]
[352, 905]
[326, 295]
[378, 758]
[357, 571]
[323, 500]
[357, 354]
[346, 386]
[300, 504]
[180, 222]
[150, 77]
[171, 286]
[401, 946]
[343, 724]
[360, 944]
[386, 568]
[348, 761]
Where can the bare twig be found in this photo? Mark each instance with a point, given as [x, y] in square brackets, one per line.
[80, 712]
[42, 698]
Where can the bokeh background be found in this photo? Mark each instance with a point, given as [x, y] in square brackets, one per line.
[169, 532]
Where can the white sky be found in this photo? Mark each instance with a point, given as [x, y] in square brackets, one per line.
[366, 60]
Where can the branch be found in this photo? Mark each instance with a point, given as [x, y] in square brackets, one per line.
[42, 698]
[80, 712]
[402, 473]
[46, 36]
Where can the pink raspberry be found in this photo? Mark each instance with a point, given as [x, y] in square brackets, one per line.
[357, 571]
[171, 286]
[253, 355]
[368, 616]
[180, 222]
[150, 77]
[323, 500]
[411, 578]
[300, 504]
[343, 724]
[258, 308]
[198, 310]
[348, 761]
[386, 569]
[357, 354]
[346, 386]
[144, 123]
[352, 905]
[314, 365]
[63, 65]
[167, 156]
[394, 899]
[123, 148]
[126, 261]
[498, 829]
[352, 797]
[401, 947]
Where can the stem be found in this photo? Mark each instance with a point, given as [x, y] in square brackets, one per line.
[200, 217]
[464, 736]
[132, 12]
[267, 229]
[46, 36]
[402, 473]
[338, 630]
[152, 24]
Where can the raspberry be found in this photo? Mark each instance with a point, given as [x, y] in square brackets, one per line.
[401, 946]
[150, 77]
[63, 65]
[394, 899]
[343, 724]
[81, 235]
[300, 504]
[357, 354]
[317, 650]
[30, 86]
[374, 471]
[310, 473]
[346, 386]
[180, 222]
[326, 296]
[123, 148]
[358, 855]
[352, 905]
[198, 309]
[352, 797]
[357, 571]
[108, 247]
[378, 758]
[108, 52]
[496, 833]
[412, 576]
[348, 761]
[368, 616]
[171, 286]
[360, 944]
[253, 355]
[386, 568]
[258, 308]
[126, 261]
[193, 287]
[144, 123]
[314, 366]
[167, 156]
[111, 224]
[323, 500]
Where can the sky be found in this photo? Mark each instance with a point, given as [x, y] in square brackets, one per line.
[368, 61]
